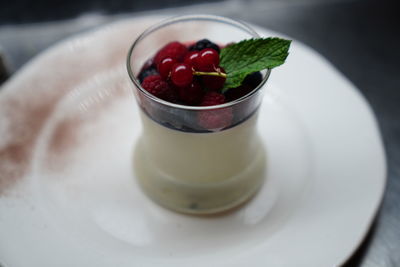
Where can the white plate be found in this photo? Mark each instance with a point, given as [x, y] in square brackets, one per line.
[68, 196]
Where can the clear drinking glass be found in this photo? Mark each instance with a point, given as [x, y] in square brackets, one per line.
[181, 163]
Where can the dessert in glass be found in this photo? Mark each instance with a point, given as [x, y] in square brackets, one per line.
[199, 151]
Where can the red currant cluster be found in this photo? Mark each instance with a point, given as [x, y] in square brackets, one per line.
[179, 75]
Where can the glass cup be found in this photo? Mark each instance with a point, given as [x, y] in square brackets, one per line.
[196, 159]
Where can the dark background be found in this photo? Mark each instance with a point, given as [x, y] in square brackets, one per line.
[360, 38]
[26, 11]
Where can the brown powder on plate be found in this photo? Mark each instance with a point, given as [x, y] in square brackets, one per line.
[29, 97]
[25, 119]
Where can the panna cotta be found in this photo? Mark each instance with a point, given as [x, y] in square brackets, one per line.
[199, 151]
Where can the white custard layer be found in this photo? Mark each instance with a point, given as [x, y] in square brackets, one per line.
[199, 172]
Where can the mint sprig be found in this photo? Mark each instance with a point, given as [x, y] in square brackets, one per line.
[248, 56]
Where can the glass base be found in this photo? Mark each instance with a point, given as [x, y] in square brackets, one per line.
[199, 198]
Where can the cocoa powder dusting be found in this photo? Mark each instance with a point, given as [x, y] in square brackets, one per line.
[64, 136]
[29, 97]
[63, 140]
[70, 130]
[26, 120]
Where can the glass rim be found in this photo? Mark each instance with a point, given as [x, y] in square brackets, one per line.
[173, 20]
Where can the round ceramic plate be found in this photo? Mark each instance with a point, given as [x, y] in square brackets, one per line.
[69, 122]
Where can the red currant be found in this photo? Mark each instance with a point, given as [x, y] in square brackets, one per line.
[181, 74]
[165, 66]
[208, 60]
[191, 58]
[214, 82]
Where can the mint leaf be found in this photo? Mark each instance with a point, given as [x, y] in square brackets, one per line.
[248, 56]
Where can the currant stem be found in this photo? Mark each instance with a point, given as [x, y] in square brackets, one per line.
[218, 74]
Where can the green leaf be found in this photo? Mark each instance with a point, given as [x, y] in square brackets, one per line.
[248, 56]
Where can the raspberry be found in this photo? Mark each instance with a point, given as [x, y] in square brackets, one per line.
[181, 74]
[212, 99]
[174, 50]
[208, 60]
[192, 94]
[202, 44]
[165, 66]
[214, 119]
[214, 82]
[156, 86]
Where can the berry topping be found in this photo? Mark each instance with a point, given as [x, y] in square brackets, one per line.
[203, 74]
[191, 58]
[165, 66]
[202, 44]
[208, 60]
[181, 74]
[192, 94]
[156, 86]
[216, 118]
[148, 71]
[253, 79]
[212, 99]
[214, 82]
[249, 84]
[238, 92]
[175, 50]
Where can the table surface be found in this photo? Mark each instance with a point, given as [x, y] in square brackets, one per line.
[358, 37]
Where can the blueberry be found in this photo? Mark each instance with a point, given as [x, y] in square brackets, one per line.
[202, 44]
[253, 79]
[151, 70]
[249, 84]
